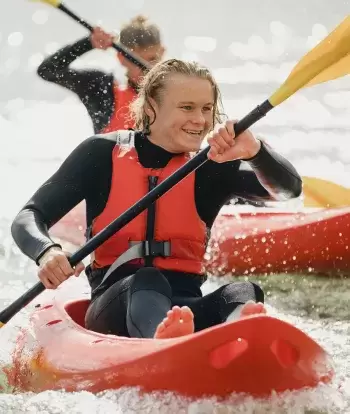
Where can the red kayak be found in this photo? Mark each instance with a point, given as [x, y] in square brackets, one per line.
[261, 242]
[255, 355]
[266, 242]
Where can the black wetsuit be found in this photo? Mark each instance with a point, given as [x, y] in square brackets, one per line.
[94, 88]
[86, 174]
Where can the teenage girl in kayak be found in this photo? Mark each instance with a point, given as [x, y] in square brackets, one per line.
[153, 290]
[106, 101]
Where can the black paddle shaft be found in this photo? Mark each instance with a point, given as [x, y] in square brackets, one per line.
[141, 63]
[96, 241]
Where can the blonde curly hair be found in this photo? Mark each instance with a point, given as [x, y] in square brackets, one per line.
[140, 33]
[154, 83]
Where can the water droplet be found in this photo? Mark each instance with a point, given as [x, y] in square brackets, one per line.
[40, 16]
[15, 39]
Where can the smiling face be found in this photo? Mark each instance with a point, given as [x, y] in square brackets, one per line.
[183, 113]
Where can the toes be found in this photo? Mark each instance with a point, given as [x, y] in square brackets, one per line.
[167, 322]
[250, 304]
[176, 308]
[170, 316]
[174, 313]
[260, 308]
[252, 308]
[248, 307]
[177, 313]
[161, 327]
[186, 314]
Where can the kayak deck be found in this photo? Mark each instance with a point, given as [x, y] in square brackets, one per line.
[254, 355]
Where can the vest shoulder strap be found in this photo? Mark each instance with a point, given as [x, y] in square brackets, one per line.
[125, 138]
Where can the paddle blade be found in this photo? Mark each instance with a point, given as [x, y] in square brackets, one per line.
[329, 60]
[323, 193]
[54, 3]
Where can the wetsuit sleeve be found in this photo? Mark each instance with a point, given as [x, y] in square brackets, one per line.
[78, 178]
[94, 88]
[275, 174]
[272, 178]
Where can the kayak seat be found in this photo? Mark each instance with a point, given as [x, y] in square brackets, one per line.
[77, 310]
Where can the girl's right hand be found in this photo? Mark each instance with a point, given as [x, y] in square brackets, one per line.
[54, 268]
[100, 39]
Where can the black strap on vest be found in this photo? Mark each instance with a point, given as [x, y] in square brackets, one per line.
[147, 249]
[151, 221]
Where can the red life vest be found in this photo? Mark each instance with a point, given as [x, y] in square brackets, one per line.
[120, 119]
[176, 217]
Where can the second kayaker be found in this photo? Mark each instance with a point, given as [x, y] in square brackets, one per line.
[106, 100]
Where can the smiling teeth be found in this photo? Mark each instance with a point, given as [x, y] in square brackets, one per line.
[193, 132]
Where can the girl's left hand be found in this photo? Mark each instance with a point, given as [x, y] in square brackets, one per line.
[224, 146]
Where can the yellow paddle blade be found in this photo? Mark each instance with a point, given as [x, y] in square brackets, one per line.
[329, 60]
[323, 193]
[54, 3]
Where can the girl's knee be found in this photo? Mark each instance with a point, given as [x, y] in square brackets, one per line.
[242, 292]
[150, 278]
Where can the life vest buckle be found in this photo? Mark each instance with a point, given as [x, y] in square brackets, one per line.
[154, 248]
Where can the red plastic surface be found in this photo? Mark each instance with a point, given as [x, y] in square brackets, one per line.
[254, 355]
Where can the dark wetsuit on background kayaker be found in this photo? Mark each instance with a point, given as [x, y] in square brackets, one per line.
[106, 100]
[177, 106]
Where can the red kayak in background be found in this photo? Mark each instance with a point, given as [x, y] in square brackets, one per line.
[255, 355]
[260, 242]
[276, 242]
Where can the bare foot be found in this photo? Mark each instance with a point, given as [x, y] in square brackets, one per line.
[179, 322]
[252, 308]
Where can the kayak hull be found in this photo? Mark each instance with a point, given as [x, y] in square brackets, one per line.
[265, 243]
[255, 355]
